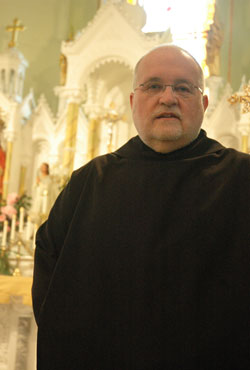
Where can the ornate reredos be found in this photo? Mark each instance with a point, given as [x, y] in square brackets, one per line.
[101, 58]
[110, 37]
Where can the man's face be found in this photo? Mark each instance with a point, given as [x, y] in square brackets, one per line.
[166, 121]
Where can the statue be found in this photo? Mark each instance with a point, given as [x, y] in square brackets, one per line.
[42, 193]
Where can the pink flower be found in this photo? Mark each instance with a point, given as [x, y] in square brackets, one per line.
[2, 217]
[12, 198]
[9, 210]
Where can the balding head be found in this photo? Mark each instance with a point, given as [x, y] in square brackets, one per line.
[170, 48]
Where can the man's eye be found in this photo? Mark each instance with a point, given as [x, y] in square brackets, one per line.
[182, 89]
[154, 87]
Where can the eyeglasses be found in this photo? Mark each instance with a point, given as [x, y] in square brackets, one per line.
[180, 89]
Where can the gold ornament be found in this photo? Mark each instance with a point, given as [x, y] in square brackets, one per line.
[242, 99]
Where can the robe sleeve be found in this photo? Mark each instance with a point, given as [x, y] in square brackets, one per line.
[49, 242]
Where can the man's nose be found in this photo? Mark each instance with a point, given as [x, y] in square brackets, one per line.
[168, 96]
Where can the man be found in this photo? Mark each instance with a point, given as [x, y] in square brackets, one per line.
[143, 263]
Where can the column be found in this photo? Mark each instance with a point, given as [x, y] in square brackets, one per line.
[73, 97]
[244, 129]
[22, 179]
[244, 147]
[9, 136]
[92, 137]
[70, 137]
[6, 177]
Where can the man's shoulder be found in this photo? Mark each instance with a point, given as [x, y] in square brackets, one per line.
[238, 156]
[237, 164]
[105, 160]
[226, 152]
[95, 165]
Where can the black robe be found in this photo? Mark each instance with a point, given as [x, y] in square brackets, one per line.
[144, 263]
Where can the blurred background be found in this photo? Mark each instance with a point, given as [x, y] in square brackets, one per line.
[66, 71]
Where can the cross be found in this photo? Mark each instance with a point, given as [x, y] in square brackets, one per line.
[15, 28]
[243, 98]
[111, 117]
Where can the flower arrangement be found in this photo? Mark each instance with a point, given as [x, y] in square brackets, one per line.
[8, 209]
[12, 206]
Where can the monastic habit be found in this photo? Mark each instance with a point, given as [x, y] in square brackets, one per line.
[144, 263]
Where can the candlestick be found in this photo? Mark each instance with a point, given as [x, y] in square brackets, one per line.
[28, 228]
[17, 271]
[21, 219]
[13, 227]
[5, 230]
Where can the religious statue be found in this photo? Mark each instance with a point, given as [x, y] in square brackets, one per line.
[213, 46]
[41, 201]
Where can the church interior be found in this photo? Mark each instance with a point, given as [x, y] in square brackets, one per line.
[66, 71]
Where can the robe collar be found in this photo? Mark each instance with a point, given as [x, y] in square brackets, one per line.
[201, 146]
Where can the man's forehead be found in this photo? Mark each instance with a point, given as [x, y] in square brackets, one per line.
[159, 60]
[163, 56]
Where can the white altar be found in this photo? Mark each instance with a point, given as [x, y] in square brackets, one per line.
[17, 324]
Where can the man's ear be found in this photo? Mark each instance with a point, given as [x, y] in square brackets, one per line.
[131, 99]
[205, 102]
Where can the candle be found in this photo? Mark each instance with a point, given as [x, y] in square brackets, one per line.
[13, 227]
[34, 236]
[21, 219]
[28, 229]
[5, 230]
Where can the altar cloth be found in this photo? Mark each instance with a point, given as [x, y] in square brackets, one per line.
[15, 286]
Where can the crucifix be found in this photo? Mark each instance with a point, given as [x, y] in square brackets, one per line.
[111, 117]
[15, 28]
[243, 98]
